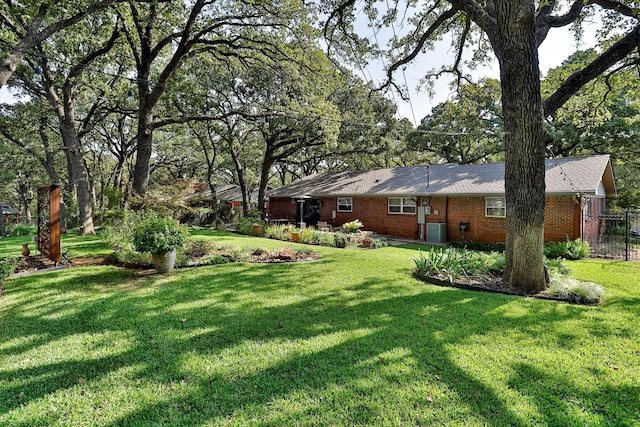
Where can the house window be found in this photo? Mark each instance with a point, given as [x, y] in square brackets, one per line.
[402, 205]
[345, 204]
[496, 207]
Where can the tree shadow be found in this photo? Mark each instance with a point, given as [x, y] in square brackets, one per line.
[210, 313]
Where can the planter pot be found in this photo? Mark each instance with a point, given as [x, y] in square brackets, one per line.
[295, 237]
[257, 230]
[25, 250]
[366, 243]
[164, 262]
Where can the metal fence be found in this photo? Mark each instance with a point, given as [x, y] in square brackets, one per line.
[617, 236]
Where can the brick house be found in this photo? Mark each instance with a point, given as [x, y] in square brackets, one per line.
[449, 202]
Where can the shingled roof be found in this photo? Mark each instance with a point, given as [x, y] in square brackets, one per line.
[5, 209]
[589, 175]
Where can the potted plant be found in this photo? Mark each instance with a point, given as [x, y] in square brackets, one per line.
[352, 226]
[160, 237]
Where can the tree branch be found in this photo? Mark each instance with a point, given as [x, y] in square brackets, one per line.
[449, 14]
[577, 80]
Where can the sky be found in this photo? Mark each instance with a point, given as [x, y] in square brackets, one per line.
[553, 51]
[556, 48]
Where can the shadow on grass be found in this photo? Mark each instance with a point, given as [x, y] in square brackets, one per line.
[208, 313]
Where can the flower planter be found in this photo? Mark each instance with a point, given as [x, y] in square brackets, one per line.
[25, 250]
[164, 262]
[295, 237]
[257, 230]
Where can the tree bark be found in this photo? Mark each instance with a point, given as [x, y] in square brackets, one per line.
[77, 172]
[144, 148]
[525, 141]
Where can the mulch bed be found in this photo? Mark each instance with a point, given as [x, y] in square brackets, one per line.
[492, 284]
[34, 264]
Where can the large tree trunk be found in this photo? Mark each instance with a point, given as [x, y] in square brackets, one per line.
[78, 176]
[144, 148]
[242, 181]
[525, 141]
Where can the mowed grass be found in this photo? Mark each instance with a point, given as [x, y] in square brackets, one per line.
[351, 339]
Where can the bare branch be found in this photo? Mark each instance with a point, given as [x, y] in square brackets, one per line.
[442, 19]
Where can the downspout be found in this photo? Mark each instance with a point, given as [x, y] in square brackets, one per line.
[446, 214]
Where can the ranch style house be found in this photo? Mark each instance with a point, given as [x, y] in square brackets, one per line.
[449, 202]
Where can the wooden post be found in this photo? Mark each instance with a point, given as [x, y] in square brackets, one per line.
[49, 222]
[54, 223]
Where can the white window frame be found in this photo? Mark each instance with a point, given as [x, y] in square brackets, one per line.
[490, 203]
[350, 203]
[405, 206]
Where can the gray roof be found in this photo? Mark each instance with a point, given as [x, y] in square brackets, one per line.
[568, 175]
[225, 193]
[7, 210]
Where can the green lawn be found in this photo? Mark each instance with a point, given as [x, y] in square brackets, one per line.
[351, 339]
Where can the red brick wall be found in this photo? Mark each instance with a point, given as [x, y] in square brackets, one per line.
[592, 225]
[562, 216]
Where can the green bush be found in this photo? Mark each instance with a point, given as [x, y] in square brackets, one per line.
[159, 235]
[22, 230]
[7, 267]
[119, 235]
[276, 232]
[557, 266]
[311, 236]
[378, 243]
[454, 263]
[476, 246]
[570, 249]
[109, 217]
[352, 226]
[198, 248]
[215, 259]
[328, 239]
[246, 223]
[340, 240]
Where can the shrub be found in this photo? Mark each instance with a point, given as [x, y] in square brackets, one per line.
[328, 239]
[352, 226]
[131, 257]
[158, 235]
[276, 232]
[340, 240]
[378, 243]
[312, 237]
[453, 263]
[557, 266]
[215, 259]
[575, 291]
[246, 223]
[7, 267]
[109, 217]
[119, 235]
[22, 230]
[476, 246]
[571, 249]
[197, 248]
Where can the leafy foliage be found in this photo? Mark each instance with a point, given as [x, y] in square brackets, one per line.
[454, 263]
[158, 235]
[353, 226]
[7, 266]
[22, 230]
[246, 223]
[571, 249]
